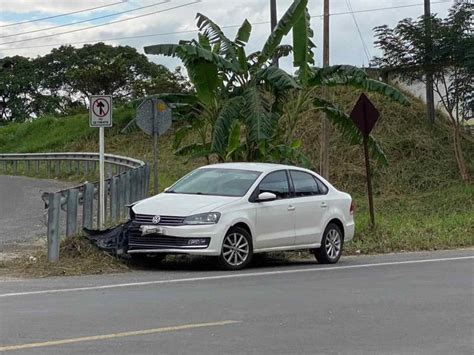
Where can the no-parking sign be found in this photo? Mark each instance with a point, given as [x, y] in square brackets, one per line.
[100, 111]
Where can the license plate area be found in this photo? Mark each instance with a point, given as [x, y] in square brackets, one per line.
[146, 230]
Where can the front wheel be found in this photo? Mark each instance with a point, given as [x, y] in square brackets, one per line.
[236, 250]
[331, 245]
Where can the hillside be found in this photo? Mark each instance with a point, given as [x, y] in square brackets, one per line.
[420, 157]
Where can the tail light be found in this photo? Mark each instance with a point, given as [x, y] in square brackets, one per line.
[352, 208]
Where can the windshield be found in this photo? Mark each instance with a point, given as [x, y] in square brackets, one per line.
[221, 182]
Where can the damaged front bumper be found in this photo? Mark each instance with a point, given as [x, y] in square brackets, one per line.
[184, 239]
[133, 238]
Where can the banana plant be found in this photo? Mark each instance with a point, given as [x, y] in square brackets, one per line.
[240, 96]
[243, 100]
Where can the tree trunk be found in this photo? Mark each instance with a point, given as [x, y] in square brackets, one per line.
[463, 170]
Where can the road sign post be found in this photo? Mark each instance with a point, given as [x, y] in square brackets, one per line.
[369, 182]
[365, 116]
[100, 115]
[154, 118]
[155, 150]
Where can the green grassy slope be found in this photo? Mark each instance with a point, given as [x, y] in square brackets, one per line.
[420, 156]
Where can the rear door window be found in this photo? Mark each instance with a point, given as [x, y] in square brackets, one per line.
[304, 184]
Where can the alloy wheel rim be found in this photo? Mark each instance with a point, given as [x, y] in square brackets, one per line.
[235, 249]
[333, 244]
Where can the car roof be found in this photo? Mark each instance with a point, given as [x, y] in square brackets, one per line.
[261, 167]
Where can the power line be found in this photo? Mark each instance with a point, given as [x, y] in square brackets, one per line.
[86, 20]
[64, 14]
[103, 24]
[223, 27]
[384, 8]
[366, 50]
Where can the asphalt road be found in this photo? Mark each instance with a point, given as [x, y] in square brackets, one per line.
[22, 210]
[415, 303]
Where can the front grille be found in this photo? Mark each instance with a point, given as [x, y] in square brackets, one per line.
[137, 241]
[164, 220]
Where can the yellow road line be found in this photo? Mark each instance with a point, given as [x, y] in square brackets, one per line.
[116, 335]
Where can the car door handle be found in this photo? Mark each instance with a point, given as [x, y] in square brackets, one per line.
[291, 208]
[324, 205]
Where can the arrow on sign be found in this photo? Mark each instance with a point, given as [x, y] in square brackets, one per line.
[101, 106]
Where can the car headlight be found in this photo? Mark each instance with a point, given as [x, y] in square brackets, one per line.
[203, 218]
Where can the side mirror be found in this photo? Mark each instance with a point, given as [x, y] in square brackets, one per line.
[266, 196]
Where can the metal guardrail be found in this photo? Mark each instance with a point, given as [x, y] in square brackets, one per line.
[128, 181]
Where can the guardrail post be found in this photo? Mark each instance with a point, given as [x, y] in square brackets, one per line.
[139, 183]
[147, 180]
[57, 168]
[109, 170]
[78, 167]
[88, 205]
[54, 209]
[71, 212]
[114, 198]
[14, 167]
[127, 178]
[27, 167]
[97, 197]
[133, 185]
[48, 167]
[106, 196]
[121, 193]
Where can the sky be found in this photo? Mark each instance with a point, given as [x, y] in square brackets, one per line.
[159, 21]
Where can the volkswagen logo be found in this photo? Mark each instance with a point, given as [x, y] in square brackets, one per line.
[156, 219]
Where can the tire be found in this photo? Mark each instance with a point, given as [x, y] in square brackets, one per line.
[331, 245]
[237, 249]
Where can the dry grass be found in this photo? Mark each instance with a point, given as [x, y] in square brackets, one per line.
[77, 257]
[420, 156]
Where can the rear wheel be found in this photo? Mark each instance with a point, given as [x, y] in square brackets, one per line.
[331, 245]
[237, 250]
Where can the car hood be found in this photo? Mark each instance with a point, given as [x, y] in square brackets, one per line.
[173, 204]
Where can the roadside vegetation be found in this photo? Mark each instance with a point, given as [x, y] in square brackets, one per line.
[419, 202]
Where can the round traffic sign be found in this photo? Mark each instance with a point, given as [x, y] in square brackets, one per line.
[101, 108]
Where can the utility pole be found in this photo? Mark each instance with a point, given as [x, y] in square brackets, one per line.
[430, 109]
[325, 126]
[273, 22]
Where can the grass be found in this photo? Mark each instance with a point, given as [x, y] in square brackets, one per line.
[421, 221]
[77, 257]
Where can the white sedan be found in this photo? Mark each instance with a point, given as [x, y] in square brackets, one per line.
[235, 210]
